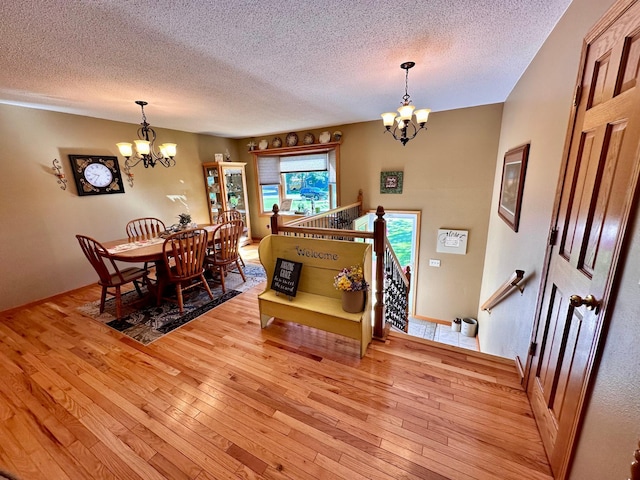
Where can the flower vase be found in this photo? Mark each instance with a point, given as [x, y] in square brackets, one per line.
[353, 302]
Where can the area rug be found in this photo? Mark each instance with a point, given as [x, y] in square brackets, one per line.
[147, 323]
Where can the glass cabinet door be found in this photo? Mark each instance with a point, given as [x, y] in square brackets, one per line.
[227, 190]
[235, 190]
[214, 192]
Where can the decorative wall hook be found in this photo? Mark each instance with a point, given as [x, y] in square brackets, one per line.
[57, 169]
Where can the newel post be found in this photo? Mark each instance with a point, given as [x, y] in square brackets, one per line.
[379, 235]
[275, 219]
[360, 201]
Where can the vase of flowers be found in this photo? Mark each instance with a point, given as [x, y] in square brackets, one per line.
[350, 281]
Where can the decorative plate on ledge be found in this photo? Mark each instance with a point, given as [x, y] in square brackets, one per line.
[308, 139]
[277, 142]
[325, 137]
[263, 144]
[292, 139]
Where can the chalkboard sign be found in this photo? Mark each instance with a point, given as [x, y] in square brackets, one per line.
[286, 277]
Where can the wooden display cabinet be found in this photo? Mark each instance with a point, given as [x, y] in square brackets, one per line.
[226, 187]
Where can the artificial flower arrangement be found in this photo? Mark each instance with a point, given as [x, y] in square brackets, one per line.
[185, 219]
[350, 280]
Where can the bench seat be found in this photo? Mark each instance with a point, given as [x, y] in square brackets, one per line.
[317, 304]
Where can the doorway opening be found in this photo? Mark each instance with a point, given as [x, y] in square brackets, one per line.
[403, 232]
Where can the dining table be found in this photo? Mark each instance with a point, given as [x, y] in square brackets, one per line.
[146, 251]
[142, 251]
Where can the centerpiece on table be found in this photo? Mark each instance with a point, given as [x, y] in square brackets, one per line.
[350, 281]
[185, 221]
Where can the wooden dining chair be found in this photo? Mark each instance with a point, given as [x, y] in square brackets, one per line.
[144, 228]
[226, 251]
[184, 254]
[227, 216]
[110, 276]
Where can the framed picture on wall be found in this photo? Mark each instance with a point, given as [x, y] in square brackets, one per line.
[391, 182]
[512, 186]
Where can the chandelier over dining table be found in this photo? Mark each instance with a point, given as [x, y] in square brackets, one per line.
[404, 127]
[145, 147]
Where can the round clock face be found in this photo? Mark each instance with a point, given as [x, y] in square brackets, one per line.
[98, 175]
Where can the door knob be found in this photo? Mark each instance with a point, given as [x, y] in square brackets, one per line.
[589, 301]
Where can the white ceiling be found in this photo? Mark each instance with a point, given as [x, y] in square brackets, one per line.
[243, 68]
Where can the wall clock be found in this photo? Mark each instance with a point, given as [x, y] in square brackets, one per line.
[96, 175]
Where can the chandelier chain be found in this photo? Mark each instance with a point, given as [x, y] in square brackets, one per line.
[406, 98]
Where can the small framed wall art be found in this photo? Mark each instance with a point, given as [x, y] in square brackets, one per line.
[512, 186]
[391, 182]
[452, 241]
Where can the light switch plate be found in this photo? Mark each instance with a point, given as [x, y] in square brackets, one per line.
[434, 262]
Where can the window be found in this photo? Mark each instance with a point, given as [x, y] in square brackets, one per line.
[301, 180]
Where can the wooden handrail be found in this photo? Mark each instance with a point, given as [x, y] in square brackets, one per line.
[337, 218]
[504, 290]
[324, 232]
[307, 220]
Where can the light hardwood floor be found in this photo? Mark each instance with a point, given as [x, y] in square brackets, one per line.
[220, 398]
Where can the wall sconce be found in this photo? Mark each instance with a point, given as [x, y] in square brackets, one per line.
[127, 171]
[57, 171]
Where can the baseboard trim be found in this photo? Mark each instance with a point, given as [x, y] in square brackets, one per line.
[519, 368]
[432, 320]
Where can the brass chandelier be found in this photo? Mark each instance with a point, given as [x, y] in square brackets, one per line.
[405, 128]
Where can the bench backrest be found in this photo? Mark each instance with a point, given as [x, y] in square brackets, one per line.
[321, 259]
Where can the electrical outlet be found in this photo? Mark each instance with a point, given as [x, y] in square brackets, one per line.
[434, 262]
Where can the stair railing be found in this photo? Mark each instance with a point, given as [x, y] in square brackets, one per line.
[396, 290]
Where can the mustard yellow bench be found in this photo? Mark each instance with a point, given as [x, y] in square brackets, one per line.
[317, 303]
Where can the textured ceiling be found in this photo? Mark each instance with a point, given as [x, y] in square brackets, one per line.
[245, 68]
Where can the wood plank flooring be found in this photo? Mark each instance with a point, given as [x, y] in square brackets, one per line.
[222, 399]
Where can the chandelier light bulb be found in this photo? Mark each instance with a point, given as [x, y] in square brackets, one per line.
[142, 147]
[168, 150]
[388, 118]
[406, 111]
[422, 115]
[125, 148]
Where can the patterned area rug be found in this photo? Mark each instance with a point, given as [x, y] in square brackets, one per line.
[146, 323]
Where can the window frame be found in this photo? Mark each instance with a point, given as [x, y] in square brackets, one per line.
[265, 210]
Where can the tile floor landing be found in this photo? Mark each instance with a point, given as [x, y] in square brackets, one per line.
[441, 333]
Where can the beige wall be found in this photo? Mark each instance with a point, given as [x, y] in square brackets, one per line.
[537, 111]
[39, 252]
[448, 176]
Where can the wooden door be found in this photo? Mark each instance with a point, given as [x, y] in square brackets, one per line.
[595, 196]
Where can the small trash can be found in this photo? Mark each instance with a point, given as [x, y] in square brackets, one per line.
[469, 327]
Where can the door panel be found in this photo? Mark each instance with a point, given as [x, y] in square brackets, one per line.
[594, 201]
